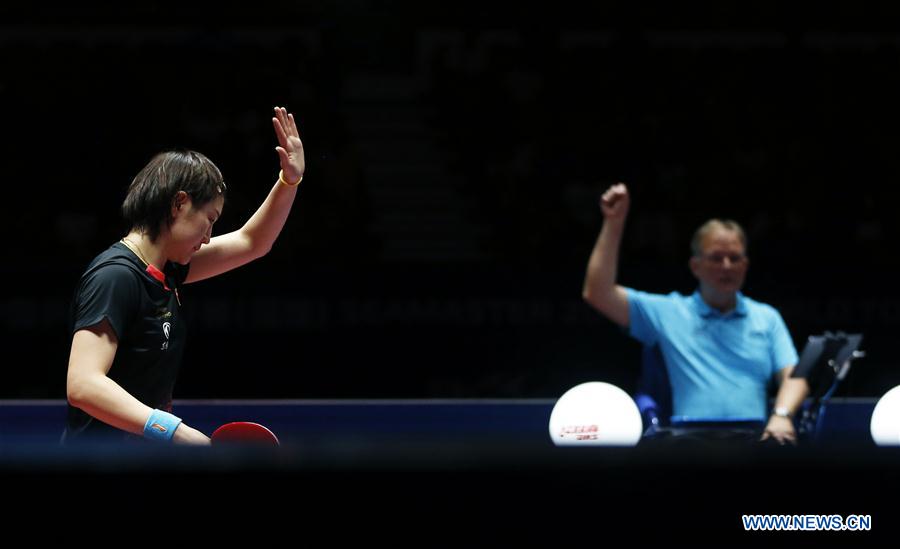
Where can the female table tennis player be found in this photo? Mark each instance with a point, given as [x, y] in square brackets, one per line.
[128, 334]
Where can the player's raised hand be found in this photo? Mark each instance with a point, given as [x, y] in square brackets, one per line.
[290, 149]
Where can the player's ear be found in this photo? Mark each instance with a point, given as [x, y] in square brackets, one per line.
[179, 202]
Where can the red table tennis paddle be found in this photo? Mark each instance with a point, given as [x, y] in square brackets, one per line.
[244, 432]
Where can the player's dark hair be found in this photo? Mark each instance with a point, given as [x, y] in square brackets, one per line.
[151, 195]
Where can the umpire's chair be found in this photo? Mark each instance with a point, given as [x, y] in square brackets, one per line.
[654, 392]
[824, 362]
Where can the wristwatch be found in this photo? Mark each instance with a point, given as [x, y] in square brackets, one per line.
[782, 411]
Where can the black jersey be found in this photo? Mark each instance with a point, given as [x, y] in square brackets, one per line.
[142, 306]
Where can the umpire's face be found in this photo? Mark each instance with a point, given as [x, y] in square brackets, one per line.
[722, 265]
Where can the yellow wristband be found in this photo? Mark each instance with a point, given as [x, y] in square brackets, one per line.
[281, 178]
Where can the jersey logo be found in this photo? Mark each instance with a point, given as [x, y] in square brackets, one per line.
[167, 326]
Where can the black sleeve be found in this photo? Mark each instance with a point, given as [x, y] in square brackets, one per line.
[111, 292]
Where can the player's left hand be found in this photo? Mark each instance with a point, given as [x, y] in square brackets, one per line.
[290, 151]
[781, 429]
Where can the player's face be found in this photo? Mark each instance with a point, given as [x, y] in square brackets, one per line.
[192, 228]
[722, 265]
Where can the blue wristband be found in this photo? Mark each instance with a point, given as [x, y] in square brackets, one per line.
[161, 426]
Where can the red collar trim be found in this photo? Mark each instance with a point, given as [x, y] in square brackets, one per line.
[158, 275]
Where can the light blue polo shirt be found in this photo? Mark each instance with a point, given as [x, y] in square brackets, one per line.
[719, 365]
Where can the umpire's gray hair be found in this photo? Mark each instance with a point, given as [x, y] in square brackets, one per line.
[711, 225]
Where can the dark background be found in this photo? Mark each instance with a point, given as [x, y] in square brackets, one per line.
[456, 154]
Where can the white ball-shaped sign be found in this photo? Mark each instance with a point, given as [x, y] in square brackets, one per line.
[595, 414]
[885, 425]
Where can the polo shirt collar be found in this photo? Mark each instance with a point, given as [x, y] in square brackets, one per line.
[706, 311]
